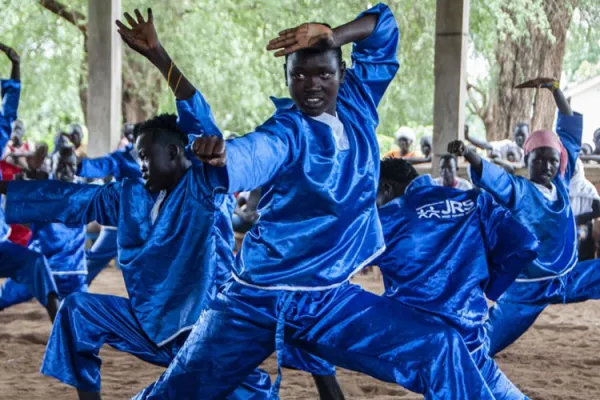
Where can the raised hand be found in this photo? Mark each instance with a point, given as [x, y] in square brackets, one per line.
[142, 36]
[210, 150]
[301, 37]
[457, 148]
[12, 55]
[547, 83]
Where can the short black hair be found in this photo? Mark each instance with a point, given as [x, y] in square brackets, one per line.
[162, 127]
[66, 151]
[397, 170]
[520, 126]
[449, 157]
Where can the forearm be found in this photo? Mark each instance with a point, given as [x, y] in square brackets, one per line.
[562, 103]
[482, 144]
[15, 73]
[354, 31]
[415, 161]
[590, 157]
[504, 164]
[179, 84]
[475, 160]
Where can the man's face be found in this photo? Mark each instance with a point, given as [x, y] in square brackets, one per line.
[157, 163]
[314, 80]
[404, 144]
[511, 156]
[426, 149]
[543, 164]
[65, 167]
[18, 130]
[448, 171]
[520, 138]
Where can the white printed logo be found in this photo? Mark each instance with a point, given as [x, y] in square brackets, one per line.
[446, 209]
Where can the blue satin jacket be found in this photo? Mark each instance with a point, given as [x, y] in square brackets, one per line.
[10, 91]
[63, 246]
[121, 164]
[551, 222]
[168, 266]
[447, 247]
[319, 222]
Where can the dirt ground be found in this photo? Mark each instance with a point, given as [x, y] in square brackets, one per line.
[558, 359]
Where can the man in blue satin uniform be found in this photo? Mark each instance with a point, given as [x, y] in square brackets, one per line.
[120, 164]
[542, 204]
[24, 266]
[446, 250]
[169, 269]
[62, 245]
[317, 162]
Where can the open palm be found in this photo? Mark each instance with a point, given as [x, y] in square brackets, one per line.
[142, 36]
[301, 37]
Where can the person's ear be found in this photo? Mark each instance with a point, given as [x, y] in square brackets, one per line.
[174, 151]
[342, 71]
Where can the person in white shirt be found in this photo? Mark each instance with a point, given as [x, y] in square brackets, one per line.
[448, 178]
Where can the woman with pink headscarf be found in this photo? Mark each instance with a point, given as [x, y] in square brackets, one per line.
[542, 204]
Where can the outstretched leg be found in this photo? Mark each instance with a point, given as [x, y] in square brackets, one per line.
[31, 269]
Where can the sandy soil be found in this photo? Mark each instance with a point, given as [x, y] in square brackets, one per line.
[558, 359]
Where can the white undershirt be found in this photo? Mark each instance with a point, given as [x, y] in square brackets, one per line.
[337, 128]
[550, 194]
[157, 204]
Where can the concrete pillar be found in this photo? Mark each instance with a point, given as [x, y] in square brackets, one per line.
[451, 47]
[104, 77]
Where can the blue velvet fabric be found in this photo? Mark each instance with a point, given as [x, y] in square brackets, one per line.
[446, 249]
[551, 222]
[26, 267]
[10, 91]
[346, 326]
[64, 248]
[120, 164]
[315, 191]
[168, 268]
[86, 321]
[103, 250]
[554, 274]
[517, 310]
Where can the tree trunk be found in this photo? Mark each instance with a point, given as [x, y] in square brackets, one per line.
[528, 58]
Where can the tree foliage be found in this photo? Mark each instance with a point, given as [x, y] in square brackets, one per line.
[221, 47]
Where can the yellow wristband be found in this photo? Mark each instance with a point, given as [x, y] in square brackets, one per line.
[177, 86]
[169, 74]
[555, 85]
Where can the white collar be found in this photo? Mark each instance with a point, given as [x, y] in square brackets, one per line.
[337, 128]
[550, 194]
[157, 204]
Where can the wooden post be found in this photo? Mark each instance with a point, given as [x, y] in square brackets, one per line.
[451, 47]
[104, 77]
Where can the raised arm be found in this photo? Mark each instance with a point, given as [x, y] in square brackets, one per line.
[375, 36]
[97, 168]
[485, 175]
[10, 91]
[55, 201]
[13, 56]
[250, 161]
[569, 125]
[141, 36]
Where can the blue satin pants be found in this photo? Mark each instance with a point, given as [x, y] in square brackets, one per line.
[346, 326]
[29, 268]
[13, 292]
[86, 321]
[523, 302]
[101, 253]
